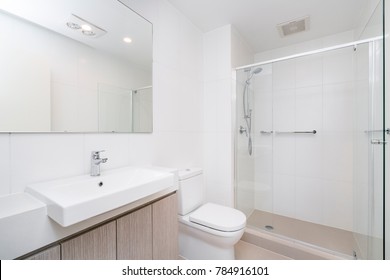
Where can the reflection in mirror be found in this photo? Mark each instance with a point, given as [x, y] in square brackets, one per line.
[74, 66]
[142, 109]
[121, 110]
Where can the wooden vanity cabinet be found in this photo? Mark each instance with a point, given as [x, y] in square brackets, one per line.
[150, 232]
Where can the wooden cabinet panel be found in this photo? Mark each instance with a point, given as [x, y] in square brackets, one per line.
[165, 229]
[53, 253]
[97, 244]
[134, 235]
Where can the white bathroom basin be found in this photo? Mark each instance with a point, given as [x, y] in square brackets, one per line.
[75, 199]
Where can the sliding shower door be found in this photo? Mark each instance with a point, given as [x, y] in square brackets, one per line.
[315, 172]
[369, 138]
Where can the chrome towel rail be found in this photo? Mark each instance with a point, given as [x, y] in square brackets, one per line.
[289, 132]
[297, 132]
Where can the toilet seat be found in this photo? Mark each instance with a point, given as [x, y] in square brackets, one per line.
[218, 217]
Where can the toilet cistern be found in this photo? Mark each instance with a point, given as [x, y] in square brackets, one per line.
[96, 160]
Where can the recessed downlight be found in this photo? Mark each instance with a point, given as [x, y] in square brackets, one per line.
[127, 40]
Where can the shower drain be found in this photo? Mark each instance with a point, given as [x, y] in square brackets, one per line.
[268, 227]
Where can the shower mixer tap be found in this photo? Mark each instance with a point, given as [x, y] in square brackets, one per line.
[242, 130]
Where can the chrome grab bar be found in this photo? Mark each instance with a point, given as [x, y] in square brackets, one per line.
[297, 132]
[266, 132]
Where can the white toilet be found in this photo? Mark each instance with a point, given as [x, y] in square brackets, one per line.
[206, 231]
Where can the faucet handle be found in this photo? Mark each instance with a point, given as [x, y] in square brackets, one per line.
[96, 154]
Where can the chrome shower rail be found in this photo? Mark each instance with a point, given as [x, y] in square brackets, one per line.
[350, 44]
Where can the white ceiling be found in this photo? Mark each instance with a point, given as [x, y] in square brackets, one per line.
[256, 20]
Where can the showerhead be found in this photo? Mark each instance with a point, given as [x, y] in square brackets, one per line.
[254, 72]
[257, 70]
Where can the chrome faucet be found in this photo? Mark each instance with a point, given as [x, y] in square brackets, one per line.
[96, 160]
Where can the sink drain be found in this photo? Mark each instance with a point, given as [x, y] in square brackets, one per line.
[268, 227]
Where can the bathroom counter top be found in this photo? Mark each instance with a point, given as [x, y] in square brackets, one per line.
[20, 216]
[16, 204]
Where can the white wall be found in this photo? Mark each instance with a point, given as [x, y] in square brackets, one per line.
[223, 50]
[177, 96]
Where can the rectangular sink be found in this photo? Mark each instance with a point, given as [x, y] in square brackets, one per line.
[76, 199]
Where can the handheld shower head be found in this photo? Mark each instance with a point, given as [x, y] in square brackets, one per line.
[246, 106]
[254, 72]
[257, 70]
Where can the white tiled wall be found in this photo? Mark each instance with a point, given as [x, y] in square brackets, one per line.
[217, 97]
[312, 174]
[177, 97]
[223, 50]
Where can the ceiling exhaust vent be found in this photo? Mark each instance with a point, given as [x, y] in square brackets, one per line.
[294, 26]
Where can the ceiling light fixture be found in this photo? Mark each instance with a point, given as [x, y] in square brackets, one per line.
[86, 28]
[127, 40]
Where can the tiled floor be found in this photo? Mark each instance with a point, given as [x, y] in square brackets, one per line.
[331, 239]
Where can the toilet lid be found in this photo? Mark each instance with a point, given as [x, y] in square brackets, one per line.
[218, 217]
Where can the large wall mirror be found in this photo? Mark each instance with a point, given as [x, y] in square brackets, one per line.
[74, 66]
